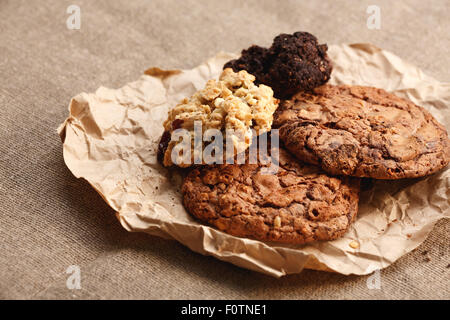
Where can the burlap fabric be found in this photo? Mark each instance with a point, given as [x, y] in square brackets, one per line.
[50, 220]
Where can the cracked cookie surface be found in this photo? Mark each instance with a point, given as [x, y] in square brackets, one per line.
[363, 132]
[298, 203]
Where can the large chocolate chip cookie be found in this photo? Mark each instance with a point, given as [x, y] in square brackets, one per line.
[362, 132]
[297, 204]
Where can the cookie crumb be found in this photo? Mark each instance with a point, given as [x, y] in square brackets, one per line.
[425, 252]
[409, 235]
[277, 222]
[354, 244]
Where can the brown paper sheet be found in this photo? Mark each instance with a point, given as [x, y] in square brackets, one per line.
[110, 139]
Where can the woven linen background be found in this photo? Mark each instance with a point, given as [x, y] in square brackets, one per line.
[50, 220]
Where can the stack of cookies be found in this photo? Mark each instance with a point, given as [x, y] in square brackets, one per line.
[331, 136]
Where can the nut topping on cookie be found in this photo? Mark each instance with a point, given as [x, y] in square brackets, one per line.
[232, 103]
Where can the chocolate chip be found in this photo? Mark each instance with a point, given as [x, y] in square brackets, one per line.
[163, 143]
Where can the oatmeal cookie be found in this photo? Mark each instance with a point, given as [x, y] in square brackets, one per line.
[232, 103]
[293, 63]
[362, 132]
[297, 203]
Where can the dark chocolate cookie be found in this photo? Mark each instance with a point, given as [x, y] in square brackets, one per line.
[253, 60]
[363, 132]
[293, 63]
[296, 204]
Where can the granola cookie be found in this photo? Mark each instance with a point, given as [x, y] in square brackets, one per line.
[293, 63]
[232, 103]
[297, 203]
[363, 132]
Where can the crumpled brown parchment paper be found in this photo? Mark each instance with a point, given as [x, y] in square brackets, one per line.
[111, 136]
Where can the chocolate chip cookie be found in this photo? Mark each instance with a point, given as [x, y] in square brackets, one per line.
[297, 203]
[362, 132]
[293, 63]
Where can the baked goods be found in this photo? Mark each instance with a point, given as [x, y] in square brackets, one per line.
[363, 132]
[293, 63]
[232, 103]
[255, 61]
[297, 203]
[338, 133]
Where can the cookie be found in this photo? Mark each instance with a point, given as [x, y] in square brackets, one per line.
[297, 203]
[253, 60]
[362, 132]
[233, 103]
[293, 63]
